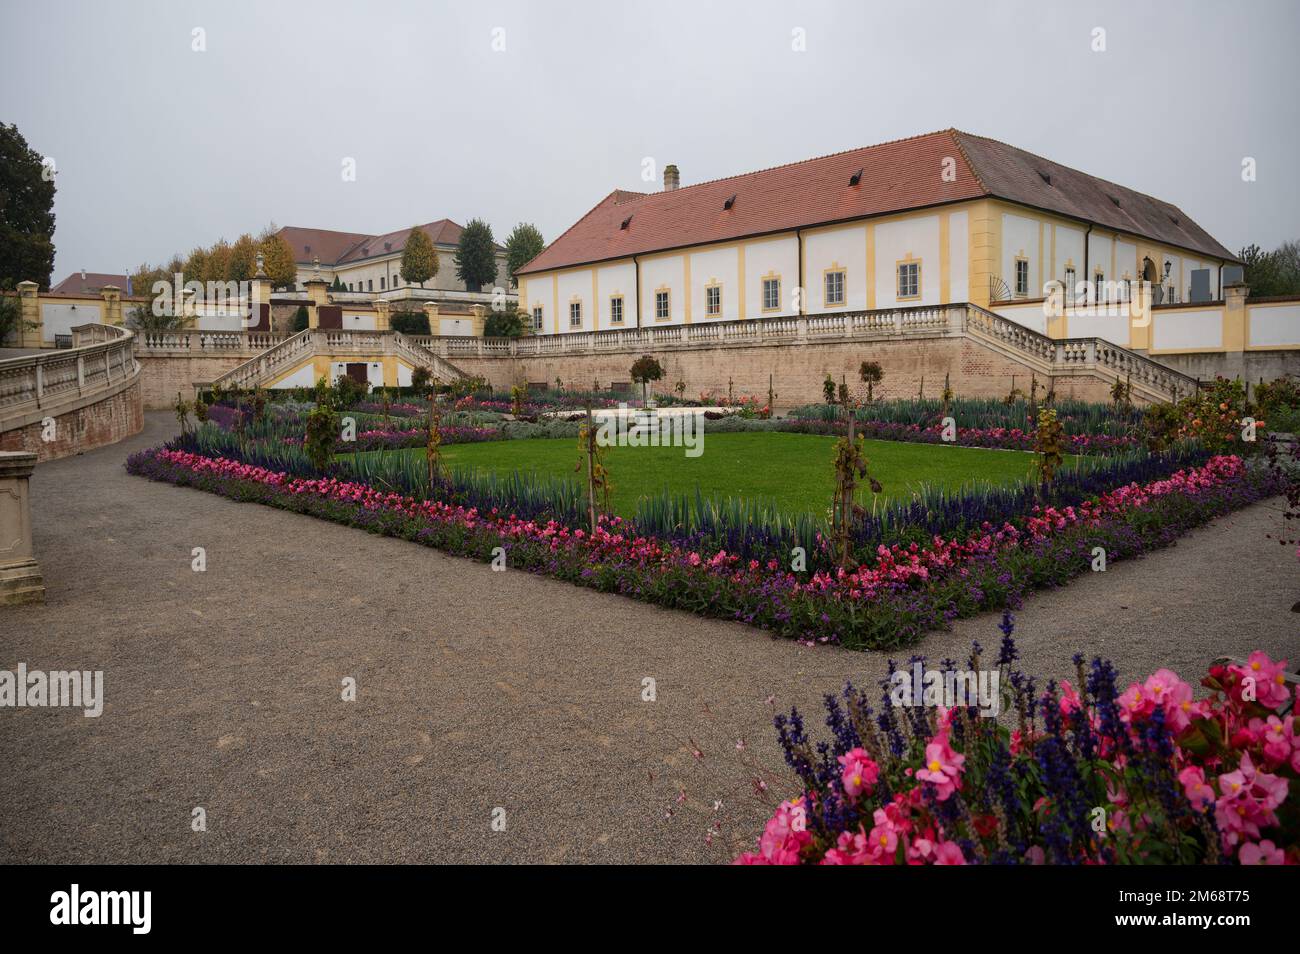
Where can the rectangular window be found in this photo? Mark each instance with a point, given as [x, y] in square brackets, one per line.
[537, 318]
[835, 288]
[575, 314]
[909, 280]
[771, 294]
[371, 283]
[663, 306]
[1022, 277]
[381, 282]
[713, 300]
[1101, 288]
[616, 309]
[1069, 284]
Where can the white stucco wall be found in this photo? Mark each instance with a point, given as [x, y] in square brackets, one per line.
[665, 273]
[896, 241]
[359, 321]
[844, 249]
[461, 327]
[617, 279]
[778, 256]
[1274, 325]
[723, 266]
[1186, 329]
[1031, 315]
[59, 319]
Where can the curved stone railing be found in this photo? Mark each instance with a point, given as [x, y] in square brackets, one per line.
[36, 388]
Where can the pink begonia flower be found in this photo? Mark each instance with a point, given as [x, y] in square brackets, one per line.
[942, 766]
[1175, 696]
[852, 848]
[1135, 702]
[1198, 792]
[860, 772]
[784, 838]
[1036, 856]
[1268, 678]
[949, 853]
[1262, 853]
[1246, 801]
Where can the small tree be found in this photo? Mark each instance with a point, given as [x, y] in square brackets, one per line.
[507, 323]
[524, 244]
[277, 261]
[871, 374]
[1047, 444]
[419, 259]
[421, 378]
[644, 370]
[828, 388]
[476, 256]
[300, 319]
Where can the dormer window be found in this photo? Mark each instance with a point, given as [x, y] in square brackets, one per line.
[856, 178]
[1044, 176]
[626, 222]
[729, 203]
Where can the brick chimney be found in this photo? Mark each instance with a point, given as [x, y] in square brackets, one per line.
[672, 178]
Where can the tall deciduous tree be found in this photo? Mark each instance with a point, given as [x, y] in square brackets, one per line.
[1272, 273]
[26, 212]
[524, 244]
[419, 260]
[476, 256]
[277, 261]
[243, 259]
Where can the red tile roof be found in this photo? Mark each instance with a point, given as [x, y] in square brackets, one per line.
[74, 284]
[344, 248]
[895, 176]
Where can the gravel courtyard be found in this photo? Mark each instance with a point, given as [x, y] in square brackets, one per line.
[475, 690]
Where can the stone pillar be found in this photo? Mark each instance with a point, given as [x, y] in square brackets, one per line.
[381, 314]
[431, 311]
[317, 294]
[1234, 317]
[29, 303]
[20, 575]
[480, 319]
[112, 296]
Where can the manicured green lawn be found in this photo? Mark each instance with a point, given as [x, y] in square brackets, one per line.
[792, 470]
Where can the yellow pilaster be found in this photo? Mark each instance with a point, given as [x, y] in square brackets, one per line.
[1235, 336]
[945, 265]
[871, 266]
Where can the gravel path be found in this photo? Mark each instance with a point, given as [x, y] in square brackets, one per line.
[476, 690]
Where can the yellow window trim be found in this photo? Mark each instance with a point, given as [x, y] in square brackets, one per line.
[898, 267]
[666, 290]
[708, 312]
[1016, 260]
[622, 312]
[844, 285]
[762, 292]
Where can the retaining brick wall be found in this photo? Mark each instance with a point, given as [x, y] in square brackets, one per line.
[798, 370]
[115, 417]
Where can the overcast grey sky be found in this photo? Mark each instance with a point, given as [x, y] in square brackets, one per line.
[160, 148]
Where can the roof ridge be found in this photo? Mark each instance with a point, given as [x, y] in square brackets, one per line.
[970, 163]
[800, 162]
[1109, 182]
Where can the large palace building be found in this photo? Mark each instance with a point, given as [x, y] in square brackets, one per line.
[941, 218]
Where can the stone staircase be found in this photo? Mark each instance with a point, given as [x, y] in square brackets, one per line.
[286, 356]
[1150, 380]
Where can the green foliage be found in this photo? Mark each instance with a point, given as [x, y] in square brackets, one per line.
[871, 374]
[476, 256]
[1272, 273]
[421, 379]
[300, 319]
[828, 389]
[410, 322]
[507, 323]
[419, 258]
[322, 431]
[143, 318]
[644, 370]
[26, 212]
[349, 390]
[524, 244]
[1047, 445]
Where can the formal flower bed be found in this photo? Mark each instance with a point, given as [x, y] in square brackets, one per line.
[898, 593]
[1002, 438]
[1088, 775]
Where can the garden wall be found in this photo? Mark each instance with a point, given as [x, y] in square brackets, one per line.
[106, 421]
[162, 376]
[798, 370]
